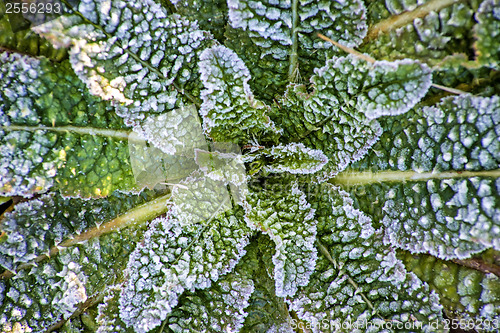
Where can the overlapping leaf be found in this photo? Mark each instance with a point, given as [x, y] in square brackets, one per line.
[289, 221]
[280, 36]
[174, 258]
[41, 295]
[464, 292]
[450, 156]
[357, 277]
[438, 31]
[230, 111]
[133, 54]
[487, 33]
[82, 152]
[294, 158]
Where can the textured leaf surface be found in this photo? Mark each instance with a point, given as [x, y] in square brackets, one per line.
[487, 33]
[464, 292]
[219, 308]
[454, 210]
[288, 220]
[280, 36]
[43, 145]
[230, 111]
[378, 89]
[441, 29]
[26, 41]
[210, 14]
[34, 227]
[294, 158]
[40, 296]
[108, 317]
[340, 133]
[131, 54]
[266, 311]
[174, 258]
[358, 278]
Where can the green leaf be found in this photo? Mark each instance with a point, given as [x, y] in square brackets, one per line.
[81, 153]
[379, 89]
[35, 227]
[108, 318]
[424, 30]
[340, 133]
[444, 199]
[464, 292]
[266, 311]
[210, 14]
[49, 289]
[357, 277]
[230, 111]
[280, 37]
[26, 41]
[219, 308]
[487, 34]
[289, 221]
[174, 258]
[133, 54]
[294, 158]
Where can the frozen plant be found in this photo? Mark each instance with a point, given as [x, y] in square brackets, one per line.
[213, 166]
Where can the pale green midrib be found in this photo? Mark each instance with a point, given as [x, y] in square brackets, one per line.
[110, 133]
[367, 177]
[294, 52]
[133, 217]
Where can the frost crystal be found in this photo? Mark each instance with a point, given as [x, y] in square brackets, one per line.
[230, 111]
[174, 258]
[357, 277]
[149, 51]
[289, 222]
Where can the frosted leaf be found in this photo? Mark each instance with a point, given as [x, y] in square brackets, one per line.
[175, 135]
[219, 308]
[108, 318]
[450, 218]
[44, 295]
[457, 134]
[230, 111]
[224, 163]
[472, 294]
[487, 33]
[448, 213]
[294, 158]
[200, 198]
[174, 258]
[379, 89]
[320, 122]
[36, 226]
[265, 309]
[44, 146]
[359, 279]
[210, 14]
[131, 54]
[288, 219]
[270, 24]
[430, 38]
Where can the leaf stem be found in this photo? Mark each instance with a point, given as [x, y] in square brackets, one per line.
[135, 216]
[294, 56]
[368, 177]
[325, 252]
[397, 21]
[348, 49]
[479, 265]
[115, 134]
